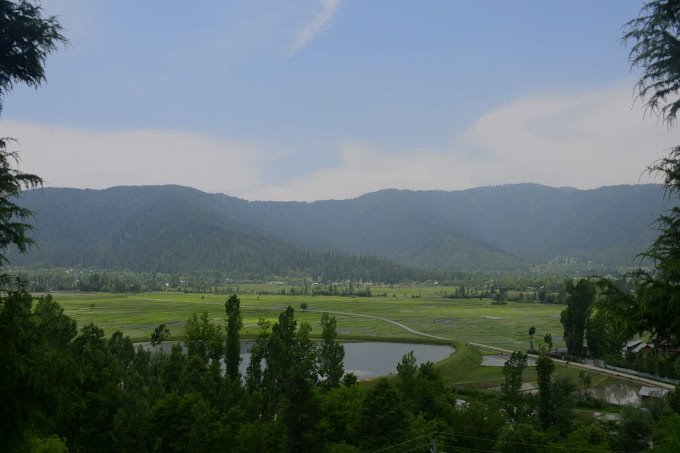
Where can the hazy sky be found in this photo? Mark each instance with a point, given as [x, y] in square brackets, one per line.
[315, 99]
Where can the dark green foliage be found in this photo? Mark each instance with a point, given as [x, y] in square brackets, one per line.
[605, 335]
[331, 354]
[232, 348]
[175, 229]
[656, 51]
[132, 428]
[563, 402]
[17, 352]
[340, 407]
[674, 400]
[32, 359]
[580, 298]
[547, 339]
[654, 307]
[634, 431]
[300, 413]
[257, 354]
[13, 225]
[516, 406]
[475, 435]
[26, 38]
[159, 334]
[423, 390]
[382, 419]
[119, 229]
[546, 404]
[285, 389]
[349, 379]
[100, 392]
[521, 438]
[203, 338]
[667, 435]
[121, 399]
[586, 436]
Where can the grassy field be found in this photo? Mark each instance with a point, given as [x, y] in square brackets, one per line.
[421, 308]
[461, 320]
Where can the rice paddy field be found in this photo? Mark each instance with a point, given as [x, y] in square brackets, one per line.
[422, 309]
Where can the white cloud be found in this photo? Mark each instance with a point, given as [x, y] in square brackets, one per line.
[584, 140]
[311, 30]
[95, 159]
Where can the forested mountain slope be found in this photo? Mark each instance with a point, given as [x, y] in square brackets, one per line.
[487, 228]
[173, 228]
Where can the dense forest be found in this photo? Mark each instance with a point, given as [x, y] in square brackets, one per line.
[76, 389]
[507, 228]
[171, 230]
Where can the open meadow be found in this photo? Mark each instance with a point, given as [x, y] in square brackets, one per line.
[423, 310]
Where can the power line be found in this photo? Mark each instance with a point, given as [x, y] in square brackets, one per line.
[427, 445]
[403, 443]
[456, 447]
[518, 443]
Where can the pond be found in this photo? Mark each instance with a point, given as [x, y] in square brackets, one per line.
[366, 359]
[619, 393]
[500, 359]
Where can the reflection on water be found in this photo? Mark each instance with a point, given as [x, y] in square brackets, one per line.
[371, 359]
[366, 359]
[621, 393]
[500, 359]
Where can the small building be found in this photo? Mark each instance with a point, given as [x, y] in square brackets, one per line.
[652, 392]
[635, 346]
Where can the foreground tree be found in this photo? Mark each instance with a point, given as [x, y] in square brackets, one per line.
[27, 37]
[580, 298]
[382, 419]
[331, 354]
[203, 338]
[546, 409]
[13, 225]
[232, 350]
[515, 405]
[655, 49]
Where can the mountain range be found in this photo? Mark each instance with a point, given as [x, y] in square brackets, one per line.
[179, 229]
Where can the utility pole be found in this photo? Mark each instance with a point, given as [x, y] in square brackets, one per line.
[434, 443]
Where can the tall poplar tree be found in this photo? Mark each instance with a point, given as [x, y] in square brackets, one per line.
[232, 351]
[580, 298]
[331, 354]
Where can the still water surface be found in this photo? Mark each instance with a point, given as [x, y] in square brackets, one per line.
[366, 359]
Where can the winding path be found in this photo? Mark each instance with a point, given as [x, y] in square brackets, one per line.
[620, 375]
[380, 318]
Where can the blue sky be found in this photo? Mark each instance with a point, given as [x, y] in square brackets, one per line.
[313, 99]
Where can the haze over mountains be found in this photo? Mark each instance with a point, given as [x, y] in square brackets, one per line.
[179, 229]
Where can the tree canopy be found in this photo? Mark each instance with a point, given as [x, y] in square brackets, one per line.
[27, 37]
[655, 50]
